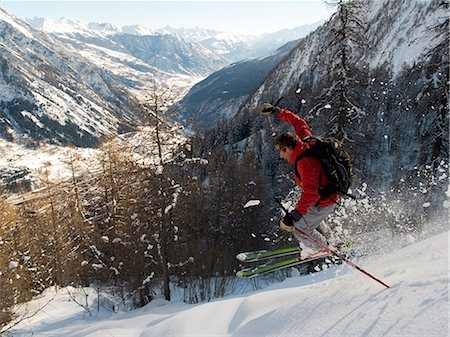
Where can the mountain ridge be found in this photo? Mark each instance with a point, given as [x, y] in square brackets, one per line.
[47, 98]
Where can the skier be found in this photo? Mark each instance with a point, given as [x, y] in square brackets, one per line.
[311, 208]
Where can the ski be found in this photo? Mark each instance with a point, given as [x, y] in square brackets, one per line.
[259, 255]
[278, 265]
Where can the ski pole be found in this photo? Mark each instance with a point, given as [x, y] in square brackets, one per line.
[272, 128]
[269, 117]
[344, 258]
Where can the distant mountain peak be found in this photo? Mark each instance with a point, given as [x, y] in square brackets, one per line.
[138, 30]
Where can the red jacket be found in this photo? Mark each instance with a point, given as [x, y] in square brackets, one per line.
[309, 168]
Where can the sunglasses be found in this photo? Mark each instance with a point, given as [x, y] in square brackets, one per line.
[283, 149]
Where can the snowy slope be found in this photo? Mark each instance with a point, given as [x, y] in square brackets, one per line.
[399, 33]
[404, 41]
[337, 302]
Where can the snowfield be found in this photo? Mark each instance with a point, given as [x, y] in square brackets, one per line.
[339, 301]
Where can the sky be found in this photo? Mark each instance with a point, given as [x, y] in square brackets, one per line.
[239, 17]
[339, 301]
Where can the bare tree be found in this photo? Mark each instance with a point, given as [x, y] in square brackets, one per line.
[55, 224]
[157, 109]
[342, 98]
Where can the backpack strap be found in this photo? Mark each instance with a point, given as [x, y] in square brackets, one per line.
[297, 174]
[305, 153]
[310, 152]
[313, 151]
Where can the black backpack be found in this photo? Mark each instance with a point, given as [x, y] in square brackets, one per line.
[336, 163]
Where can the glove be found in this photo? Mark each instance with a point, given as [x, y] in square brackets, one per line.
[287, 222]
[268, 109]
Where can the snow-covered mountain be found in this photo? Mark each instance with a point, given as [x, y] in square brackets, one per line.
[49, 92]
[113, 60]
[80, 82]
[242, 47]
[270, 42]
[221, 94]
[163, 52]
[65, 25]
[339, 301]
[399, 38]
[170, 53]
[231, 47]
[95, 42]
[398, 81]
